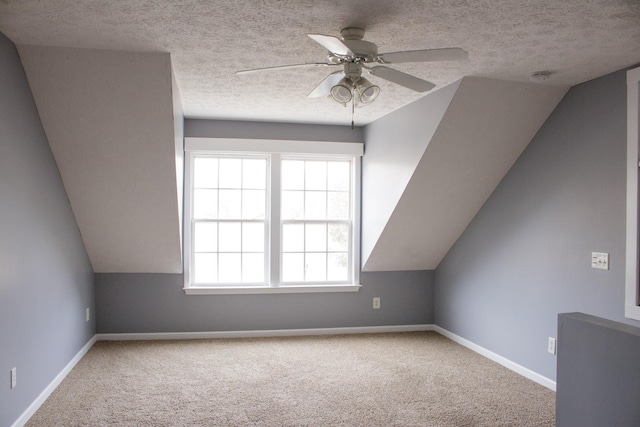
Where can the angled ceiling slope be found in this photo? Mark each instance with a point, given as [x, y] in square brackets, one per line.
[423, 182]
[109, 118]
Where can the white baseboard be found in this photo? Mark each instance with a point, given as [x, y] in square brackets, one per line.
[28, 413]
[519, 369]
[260, 333]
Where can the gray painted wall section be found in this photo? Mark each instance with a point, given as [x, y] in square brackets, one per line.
[526, 255]
[267, 130]
[46, 281]
[144, 303]
[598, 372]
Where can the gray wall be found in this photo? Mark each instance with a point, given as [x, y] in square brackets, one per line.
[157, 303]
[268, 130]
[46, 281]
[141, 303]
[526, 255]
[598, 372]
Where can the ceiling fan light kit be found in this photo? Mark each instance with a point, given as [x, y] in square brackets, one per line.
[367, 91]
[341, 92]
[355, 55]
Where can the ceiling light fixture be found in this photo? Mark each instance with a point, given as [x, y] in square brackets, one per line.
[367, 91]
[342, 91]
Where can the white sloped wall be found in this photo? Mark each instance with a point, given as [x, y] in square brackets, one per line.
[410, 224]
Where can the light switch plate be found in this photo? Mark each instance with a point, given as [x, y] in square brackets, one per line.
[600, 260]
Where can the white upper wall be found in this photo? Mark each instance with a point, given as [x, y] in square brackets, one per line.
[394, 146]
[109, 118]
[486, 126]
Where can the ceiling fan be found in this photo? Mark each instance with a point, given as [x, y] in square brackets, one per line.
[356, 55]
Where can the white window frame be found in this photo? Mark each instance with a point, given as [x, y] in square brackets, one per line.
[632, 291]
[276, 149]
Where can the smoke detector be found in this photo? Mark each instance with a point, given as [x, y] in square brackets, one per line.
[539, 76]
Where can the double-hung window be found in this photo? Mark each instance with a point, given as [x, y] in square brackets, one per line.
[271, 216]
[229, 219]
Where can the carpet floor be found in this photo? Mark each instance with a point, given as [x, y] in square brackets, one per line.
[404, 379]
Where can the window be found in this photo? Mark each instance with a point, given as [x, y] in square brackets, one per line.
[268, 216]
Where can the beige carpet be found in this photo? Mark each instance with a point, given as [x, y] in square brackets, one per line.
[407, 379]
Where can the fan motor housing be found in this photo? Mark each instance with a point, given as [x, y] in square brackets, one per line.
[364, 50]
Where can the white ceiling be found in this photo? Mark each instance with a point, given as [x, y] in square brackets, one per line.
[209, 40]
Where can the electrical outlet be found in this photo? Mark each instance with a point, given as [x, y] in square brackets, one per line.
[14, 377]
[88, 314]
[551, 346]
[376, 303]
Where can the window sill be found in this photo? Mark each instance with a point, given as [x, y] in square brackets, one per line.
[237, 290]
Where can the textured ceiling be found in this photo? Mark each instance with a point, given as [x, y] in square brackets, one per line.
[209, 40]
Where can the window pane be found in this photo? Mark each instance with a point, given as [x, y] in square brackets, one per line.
[337, 268]
[293, 237]
[338, 174]
[205, 204]
[292, 267]
[315, 267]
[253, 204]
[205, 268]
[292, 175]
[315, 237]
[253, 237]
[315, 205]
[205, 173]
[337, 205]
[253, 268]
[229, 238]
[230, 204]
[230, 173]
[206, 237]
[292, 205]
[315, 176]
[229, 269]
[254, 173]
[338, 237]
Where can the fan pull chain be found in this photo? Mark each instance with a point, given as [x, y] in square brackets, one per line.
[353, 107]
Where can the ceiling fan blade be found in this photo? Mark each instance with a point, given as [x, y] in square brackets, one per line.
[325, 85]
[332, 44]
[426, 55]
[403, 79]
[285, 67]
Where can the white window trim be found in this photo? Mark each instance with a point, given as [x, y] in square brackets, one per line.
[194, 146]
[632, 291]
